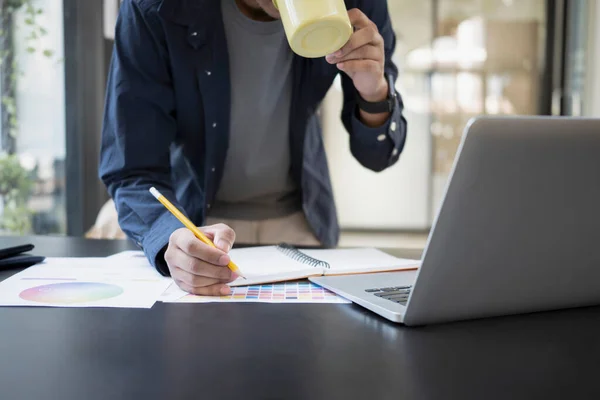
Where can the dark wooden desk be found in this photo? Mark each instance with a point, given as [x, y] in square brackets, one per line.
[194, 351]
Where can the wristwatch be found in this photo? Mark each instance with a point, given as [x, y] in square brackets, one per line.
[385, 106]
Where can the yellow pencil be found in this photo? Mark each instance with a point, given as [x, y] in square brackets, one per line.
[188, 224]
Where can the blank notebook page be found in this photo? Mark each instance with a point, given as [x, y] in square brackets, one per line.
[261, 261]
[349, 260]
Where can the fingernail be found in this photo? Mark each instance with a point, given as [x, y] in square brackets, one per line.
[330, 57]
[224, 260]
[337, 53]
[340, 65]
[225, 290]
[224, 245]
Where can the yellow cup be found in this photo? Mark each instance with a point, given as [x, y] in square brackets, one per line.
[315, 28]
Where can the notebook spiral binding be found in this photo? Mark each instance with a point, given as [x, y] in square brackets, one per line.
[299, 256]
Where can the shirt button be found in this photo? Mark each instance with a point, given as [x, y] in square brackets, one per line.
[208, 73]
[394, 126]
[208, 206]
[213, 169]
[194, 33]
[381, 137]
[214, 125]
[395, 152]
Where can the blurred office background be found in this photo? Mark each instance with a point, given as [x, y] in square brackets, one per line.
[457, 59]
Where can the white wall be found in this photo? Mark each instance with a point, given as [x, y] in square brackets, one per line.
[396, 199]
[592, 97]
[110, 12]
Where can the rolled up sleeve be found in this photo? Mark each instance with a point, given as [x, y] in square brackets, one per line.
[376, 148]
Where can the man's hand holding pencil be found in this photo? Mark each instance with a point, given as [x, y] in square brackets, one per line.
[197, 267]
[197, 257]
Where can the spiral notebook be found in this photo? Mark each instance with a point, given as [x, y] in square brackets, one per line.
[283, 262]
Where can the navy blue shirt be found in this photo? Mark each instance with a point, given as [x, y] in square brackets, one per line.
[166, 120]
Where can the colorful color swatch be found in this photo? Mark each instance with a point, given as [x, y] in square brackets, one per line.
[71, 293]
[289, 292]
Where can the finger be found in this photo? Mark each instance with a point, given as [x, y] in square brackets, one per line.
[192, 265]
[223, 236]
[363, 37]
[195, 281]
[358, 19]
[185, 240]
[364, 53]
[214, 290]
[353, 67]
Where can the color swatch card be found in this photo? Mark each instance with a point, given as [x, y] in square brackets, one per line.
[288, 292]
[85, 282]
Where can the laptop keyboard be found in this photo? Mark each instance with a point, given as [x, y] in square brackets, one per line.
[397, 294]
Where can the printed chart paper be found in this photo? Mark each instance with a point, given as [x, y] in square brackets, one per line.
[85, 282]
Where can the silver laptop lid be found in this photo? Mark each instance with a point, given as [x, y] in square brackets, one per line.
[519, 228]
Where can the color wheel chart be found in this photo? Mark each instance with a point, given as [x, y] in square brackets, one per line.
[117, 282]
[71, 293]
[288, 292]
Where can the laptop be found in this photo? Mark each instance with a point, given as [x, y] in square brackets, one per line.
[518, 230]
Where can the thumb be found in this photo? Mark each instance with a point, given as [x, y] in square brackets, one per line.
[223, 236]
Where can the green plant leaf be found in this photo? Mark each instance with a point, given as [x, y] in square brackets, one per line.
[15, 182]
[48, 53]
[30, 50]
[16, 219]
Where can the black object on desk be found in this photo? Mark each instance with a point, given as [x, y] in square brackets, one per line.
[16, 257]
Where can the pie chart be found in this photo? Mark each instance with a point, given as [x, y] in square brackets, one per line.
[71, 293]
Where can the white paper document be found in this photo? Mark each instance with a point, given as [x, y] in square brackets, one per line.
[121, 281]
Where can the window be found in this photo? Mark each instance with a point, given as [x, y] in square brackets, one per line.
[32, 135]
[457, 59]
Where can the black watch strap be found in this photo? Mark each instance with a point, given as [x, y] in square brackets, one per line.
[385, 106]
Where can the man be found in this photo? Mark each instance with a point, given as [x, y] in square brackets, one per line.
[207, 103]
